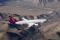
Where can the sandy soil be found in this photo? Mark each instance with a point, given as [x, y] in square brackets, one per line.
[48, 29]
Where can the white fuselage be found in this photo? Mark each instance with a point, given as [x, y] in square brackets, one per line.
[31, 21]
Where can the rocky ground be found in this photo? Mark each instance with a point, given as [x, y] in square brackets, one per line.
[47, 31]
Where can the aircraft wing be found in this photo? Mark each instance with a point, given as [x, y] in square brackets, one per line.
[30, 24]
[24, 19]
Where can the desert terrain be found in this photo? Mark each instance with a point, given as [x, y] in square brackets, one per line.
[47, 31]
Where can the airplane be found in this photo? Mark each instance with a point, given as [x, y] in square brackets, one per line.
[31, 22]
